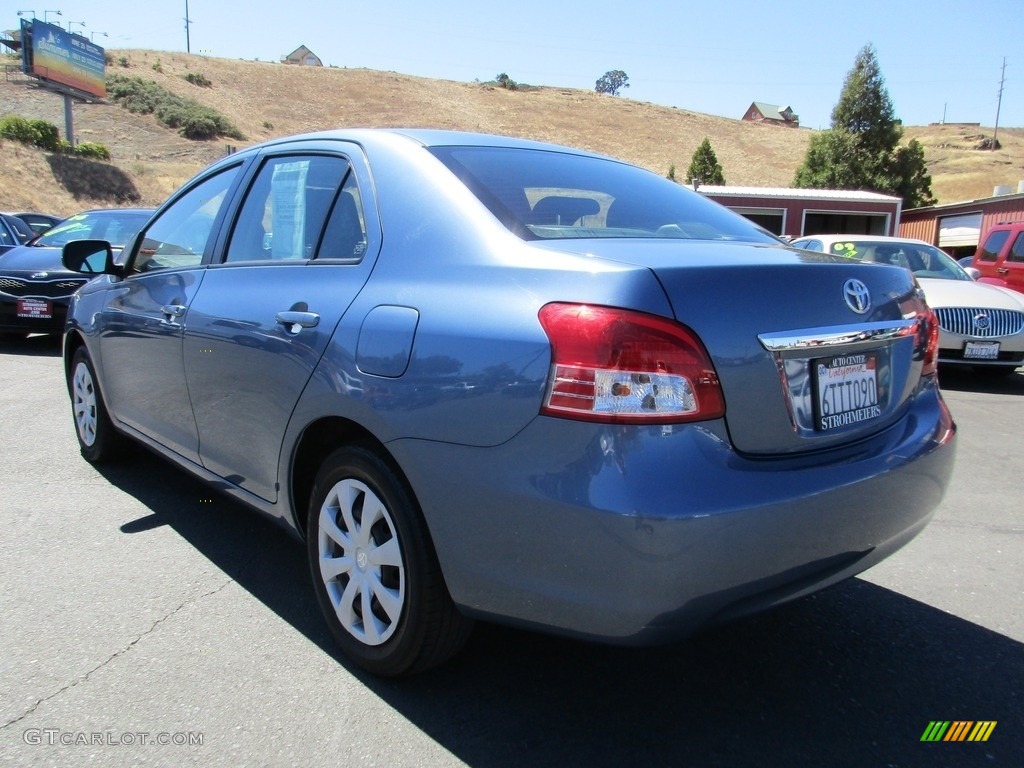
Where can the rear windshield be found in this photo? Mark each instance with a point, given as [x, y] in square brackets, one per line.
[548, 195]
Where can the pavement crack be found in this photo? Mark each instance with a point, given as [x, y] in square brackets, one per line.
[116, 655]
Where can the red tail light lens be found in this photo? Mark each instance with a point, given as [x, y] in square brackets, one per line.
[619, 366]
[930, 331]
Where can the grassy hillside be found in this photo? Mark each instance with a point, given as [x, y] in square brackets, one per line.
[266, 100]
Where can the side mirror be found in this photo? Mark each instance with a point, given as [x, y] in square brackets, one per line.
[974, 273]
[90, 257]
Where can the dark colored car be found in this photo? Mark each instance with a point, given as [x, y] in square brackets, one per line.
[492, 378]
[13, 232]
[39, 222]
[35, 287]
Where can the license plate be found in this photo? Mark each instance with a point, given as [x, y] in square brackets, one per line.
[847, 390]
[36, 309]
[981, 350]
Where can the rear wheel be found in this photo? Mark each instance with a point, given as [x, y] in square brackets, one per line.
[375, 572]
[97, 438]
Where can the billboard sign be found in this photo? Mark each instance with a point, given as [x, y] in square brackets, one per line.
[68, 63]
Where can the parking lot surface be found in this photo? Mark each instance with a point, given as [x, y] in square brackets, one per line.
[148, 621]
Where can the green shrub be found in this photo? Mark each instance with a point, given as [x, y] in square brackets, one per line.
[199, 79]
[123, 61]
[44, 135]
[192, 119]
[17, 128]
[47, 135]
[35, 133]
[92, 151]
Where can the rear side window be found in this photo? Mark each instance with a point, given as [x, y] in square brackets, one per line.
[542, 194]
[1017, 251]
[297, 208]
[993, 245]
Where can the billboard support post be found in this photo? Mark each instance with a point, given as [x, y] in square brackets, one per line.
[69, 120]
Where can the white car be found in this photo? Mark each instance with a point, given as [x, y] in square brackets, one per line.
[980, 325]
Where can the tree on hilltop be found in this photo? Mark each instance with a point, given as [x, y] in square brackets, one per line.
[704, 166]
[861, 150]
[612, 82]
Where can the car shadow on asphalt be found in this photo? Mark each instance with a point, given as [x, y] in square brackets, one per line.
[973, 381]
[36, 345]
[851, 676]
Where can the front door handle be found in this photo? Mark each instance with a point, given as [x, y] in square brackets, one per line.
[172, 312]
[295, 321]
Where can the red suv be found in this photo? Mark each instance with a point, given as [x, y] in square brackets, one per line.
[1000, 257]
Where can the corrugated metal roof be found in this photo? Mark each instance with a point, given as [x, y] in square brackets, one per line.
[796, 194]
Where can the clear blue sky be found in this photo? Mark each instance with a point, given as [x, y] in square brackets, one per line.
[939, 58]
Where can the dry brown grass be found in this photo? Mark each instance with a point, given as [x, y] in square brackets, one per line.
[266, 100]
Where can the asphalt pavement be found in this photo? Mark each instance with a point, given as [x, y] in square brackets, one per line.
[147, 621]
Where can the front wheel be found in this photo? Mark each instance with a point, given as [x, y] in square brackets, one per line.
[97, 438]
[375, 571]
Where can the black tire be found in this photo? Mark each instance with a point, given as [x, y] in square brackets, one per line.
[97, 438]
[391, 567]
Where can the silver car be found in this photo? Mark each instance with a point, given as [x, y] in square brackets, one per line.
[487, 378]
[980, 325]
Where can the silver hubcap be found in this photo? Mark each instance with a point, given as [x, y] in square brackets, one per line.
[361, 562]
[84, 396]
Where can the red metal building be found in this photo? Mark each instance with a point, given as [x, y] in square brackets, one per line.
[957, 227]
[798, 212]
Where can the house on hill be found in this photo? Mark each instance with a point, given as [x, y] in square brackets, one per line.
[303, 57]
[759, 112]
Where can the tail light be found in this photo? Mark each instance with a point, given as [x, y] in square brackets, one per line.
[930, 333]
[620, 366]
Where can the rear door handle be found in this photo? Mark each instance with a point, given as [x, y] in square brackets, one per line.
[295, 321]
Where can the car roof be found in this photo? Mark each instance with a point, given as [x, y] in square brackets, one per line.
[427, 137]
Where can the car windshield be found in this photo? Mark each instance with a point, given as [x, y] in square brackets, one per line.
[921, 259]
[116, 227]
[541, 194]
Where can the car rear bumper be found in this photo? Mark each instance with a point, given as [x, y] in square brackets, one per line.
[640, 535]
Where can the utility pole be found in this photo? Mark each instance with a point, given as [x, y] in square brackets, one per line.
[188, 44]
[999, 104]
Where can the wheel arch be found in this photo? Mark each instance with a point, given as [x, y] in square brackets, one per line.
[319, 440]
[72, 341]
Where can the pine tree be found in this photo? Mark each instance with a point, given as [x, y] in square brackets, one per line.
[861, 150]
[704, 167]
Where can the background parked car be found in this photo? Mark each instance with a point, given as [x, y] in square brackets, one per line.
[1000, 256]
[492, 378]
[39, 222]
[35, 287]
[13, 232]
[981, 325]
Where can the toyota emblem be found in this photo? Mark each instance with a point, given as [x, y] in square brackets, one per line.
[857, 295]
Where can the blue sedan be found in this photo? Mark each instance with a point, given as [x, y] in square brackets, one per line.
[487, 378]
